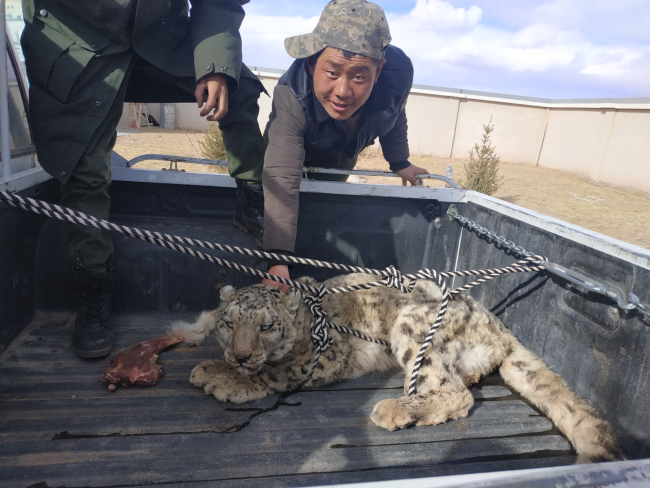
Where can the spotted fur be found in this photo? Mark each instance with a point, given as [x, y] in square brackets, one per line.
[268, 349]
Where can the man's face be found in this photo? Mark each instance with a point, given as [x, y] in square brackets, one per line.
[343, 85]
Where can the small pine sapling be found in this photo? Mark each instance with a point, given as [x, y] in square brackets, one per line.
[482, 169]
[212, 147]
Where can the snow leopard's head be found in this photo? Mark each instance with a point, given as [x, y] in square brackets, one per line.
[256, 325]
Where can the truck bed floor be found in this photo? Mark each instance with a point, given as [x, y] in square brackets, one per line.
[60, 426]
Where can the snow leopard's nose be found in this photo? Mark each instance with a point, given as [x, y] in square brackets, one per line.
[241, 359]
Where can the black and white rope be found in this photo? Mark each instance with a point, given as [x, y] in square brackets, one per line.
[163, 240]
[312, 296]
[320, 337]
[396, 280]
[390, 275]
[51, 210]
[519, 266]
[430, 334]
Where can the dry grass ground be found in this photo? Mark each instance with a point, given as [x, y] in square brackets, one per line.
[616, 212]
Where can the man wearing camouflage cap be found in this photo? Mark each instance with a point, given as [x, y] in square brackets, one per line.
[347, 87]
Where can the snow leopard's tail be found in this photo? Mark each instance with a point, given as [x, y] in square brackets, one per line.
[591, 436]
[194, 333]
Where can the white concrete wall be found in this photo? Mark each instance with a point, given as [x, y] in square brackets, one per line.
[517, 129]
[625, 157]
[599, 140]
[573, 139]
[429, 134]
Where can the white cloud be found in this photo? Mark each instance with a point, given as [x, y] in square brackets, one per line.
[555, 52]
[629, 19]
[540, 35]
[263, 38]
[536, 48]
[472, 51]
[439, 16]
[618, 62]
[541, 49]
[276, 29]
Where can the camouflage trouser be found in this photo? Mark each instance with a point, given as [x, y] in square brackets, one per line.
[87, 188]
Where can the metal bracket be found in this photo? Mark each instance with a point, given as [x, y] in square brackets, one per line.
[565, 273]
[591, 285]
[643, 308]
[578, 279]
[173, 166]
[452, 212]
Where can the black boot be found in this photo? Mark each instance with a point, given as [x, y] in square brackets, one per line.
[92, 336]
[249, 216]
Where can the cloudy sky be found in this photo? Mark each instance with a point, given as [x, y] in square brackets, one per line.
[549, 49]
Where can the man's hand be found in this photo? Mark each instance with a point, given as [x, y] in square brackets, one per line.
[281, 270]
[408, 175]
[217, 86]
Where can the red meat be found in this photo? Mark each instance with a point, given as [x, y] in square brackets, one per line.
[136, 365]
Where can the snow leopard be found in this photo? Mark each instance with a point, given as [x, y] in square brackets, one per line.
[265, 335]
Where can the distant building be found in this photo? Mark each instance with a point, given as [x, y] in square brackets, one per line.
[15, 26]
[13, 10]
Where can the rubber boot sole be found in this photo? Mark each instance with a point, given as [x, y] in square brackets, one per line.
[93, 354]
[241, 226]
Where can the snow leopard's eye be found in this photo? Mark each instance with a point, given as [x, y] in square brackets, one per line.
[266, 326]
[230, 325]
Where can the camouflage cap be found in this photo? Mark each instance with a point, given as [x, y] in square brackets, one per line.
[357, 26]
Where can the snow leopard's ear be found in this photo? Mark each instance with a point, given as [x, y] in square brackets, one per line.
[291, 300]
[226, 293]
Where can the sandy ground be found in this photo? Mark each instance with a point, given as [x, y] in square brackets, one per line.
[617, 212]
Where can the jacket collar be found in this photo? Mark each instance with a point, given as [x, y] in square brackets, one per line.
[319, 110]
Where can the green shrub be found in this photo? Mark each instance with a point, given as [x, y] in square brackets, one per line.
[482, 169]
[212, 147]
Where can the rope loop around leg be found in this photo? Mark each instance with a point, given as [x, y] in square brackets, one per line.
[432, 275]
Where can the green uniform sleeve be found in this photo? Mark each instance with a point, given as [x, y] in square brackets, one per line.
[215, 38]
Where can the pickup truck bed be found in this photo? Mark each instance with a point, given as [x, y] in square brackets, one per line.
[60, 426]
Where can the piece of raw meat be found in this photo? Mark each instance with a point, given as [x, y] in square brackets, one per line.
[136, 365]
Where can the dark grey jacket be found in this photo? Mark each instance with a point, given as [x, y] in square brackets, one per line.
[300, 132]
[77, 53]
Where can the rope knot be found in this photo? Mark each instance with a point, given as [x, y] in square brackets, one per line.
[320, 337]
[396, 280]
[315, 302]
[319, 334]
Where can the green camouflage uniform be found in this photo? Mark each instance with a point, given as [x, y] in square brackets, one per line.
[85, 58]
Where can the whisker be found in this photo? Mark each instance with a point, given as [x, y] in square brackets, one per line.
[269, 367]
